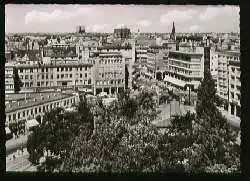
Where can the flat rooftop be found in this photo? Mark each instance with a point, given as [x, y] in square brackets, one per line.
[32, 99]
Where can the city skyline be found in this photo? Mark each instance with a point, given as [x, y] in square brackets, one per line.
[103, 18]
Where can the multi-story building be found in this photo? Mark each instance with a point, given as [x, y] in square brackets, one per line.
[185, 70]
[234, 84]
[122, 33]
[80, 29]
[109, 71]
[56, 75]
[228, 84]
[9, 81]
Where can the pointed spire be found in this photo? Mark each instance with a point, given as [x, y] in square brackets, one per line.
[173, 29]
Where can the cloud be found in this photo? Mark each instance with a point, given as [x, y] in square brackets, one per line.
[144, 23]
[56, 15]
[194, 28]
[214, 12]
[177, 16]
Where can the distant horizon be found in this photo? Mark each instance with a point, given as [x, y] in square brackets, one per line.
[113, 32]
[56, 18]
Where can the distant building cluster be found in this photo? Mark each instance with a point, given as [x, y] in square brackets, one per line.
[97, 63]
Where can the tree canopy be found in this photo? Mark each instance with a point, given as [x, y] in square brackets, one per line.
[17, 81]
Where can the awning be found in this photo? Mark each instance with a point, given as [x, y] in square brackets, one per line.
[32, 123]
[175, 81]
[7, 130]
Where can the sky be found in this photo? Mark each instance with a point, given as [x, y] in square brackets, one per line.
[104, 18]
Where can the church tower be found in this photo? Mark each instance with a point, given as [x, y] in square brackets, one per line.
[172, 36]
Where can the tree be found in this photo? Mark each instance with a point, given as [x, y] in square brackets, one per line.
[126, 106]
[17, 82]
[116, 146]
[206, 102]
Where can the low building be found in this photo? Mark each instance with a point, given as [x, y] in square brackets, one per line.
[32, 105]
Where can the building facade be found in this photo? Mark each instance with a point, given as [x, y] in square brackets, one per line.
[229, 84]
[109, 71]
[185, 70]
[30, 108]
[123, 33]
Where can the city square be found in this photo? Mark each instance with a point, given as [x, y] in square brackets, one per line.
[114, 97]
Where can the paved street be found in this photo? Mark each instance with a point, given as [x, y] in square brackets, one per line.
[20, 163]
[15, 143]
[164, 117]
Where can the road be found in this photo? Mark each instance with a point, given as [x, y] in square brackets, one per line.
[20, 163]
[163, 119]
[15, 143]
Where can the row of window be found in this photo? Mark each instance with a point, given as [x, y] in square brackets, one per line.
[233, 97]
[113, 82]
[70, 69]
[37, 110]
[228, 57]
[110, 61]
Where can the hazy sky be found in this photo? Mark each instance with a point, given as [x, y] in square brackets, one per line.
[104, 18]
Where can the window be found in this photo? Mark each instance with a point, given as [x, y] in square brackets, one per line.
[89, 81]
[57, 69]
[232, 86]
[35, 110]
[70, 68]
[18, 115]
[85, 68]
[42, 69]
[238, 96]
[14, 116]
[31, 76]
[233, 69]
[232, 95]
[80, 75]
[31, 70]
[58, 76]
[62, 75]
[51, 76]
[21, 70]
[61, 69]
[47, 70]
[86, 75]
[70, 75]
[26, 76]
[38, 84]
[66, 69]
[80, 68]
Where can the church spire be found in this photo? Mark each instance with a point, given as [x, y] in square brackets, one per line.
[172, 36]
[173, 29]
